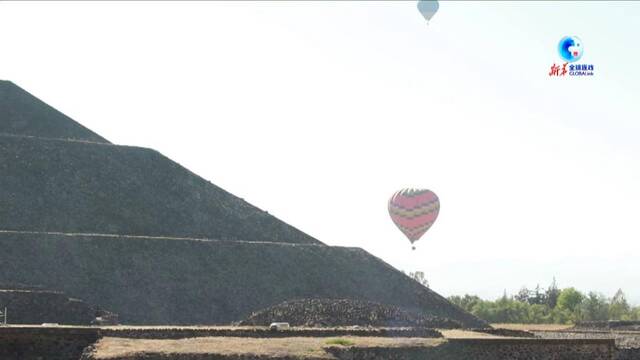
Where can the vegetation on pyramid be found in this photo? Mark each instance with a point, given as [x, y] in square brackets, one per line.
[23, 114]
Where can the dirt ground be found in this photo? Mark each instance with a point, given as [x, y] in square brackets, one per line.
[466, 334]
[311, 348]
[532, 327]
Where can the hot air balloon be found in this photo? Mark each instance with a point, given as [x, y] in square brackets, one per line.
[414, 211]
[428, 8]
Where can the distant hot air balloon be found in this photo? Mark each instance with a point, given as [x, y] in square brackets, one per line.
[428, 8]
[414, 211]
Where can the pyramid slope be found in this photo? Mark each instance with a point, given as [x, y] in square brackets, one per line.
[163, 281]
[77, 187]
[23, 114]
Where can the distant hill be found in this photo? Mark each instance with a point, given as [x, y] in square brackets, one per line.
[77, 187]
[23, 114]
[164, 281]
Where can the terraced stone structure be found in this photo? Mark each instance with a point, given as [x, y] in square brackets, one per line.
[129, 230]
[344, 312]
[31, 306]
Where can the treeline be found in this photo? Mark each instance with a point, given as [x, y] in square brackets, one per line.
[551, 305]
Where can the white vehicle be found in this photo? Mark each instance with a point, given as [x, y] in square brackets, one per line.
[279, 326]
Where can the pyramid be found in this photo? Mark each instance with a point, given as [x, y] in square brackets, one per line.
[24, 114]
[136, 233]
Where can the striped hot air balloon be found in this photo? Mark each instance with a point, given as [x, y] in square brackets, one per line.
[414, 211]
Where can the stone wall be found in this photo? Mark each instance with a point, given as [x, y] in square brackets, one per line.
[626, 342]
[40, 306]
[611, 324]
[35, 343]
[264, 332]
[29, 343]
[208, 357]
[488, 349]
[628, 354]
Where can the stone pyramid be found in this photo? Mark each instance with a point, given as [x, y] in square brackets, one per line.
[136, 233]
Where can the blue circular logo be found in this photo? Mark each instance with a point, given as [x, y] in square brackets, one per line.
[570, 48]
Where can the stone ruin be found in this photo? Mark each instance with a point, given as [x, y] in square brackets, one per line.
[344, 312]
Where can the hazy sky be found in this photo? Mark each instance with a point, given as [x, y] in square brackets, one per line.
[319, 111]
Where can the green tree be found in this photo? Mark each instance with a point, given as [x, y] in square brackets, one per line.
[560, 316]
[619, 309]
[419, 277]
[539, 314]
[570, 300]
[466, 302]
[552, 294]
[523, 295]
[485, 310]
[595, 307]
[571, 306]
[538, 296]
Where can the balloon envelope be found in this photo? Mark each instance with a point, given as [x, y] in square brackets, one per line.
[414, 211]
[428, 8]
